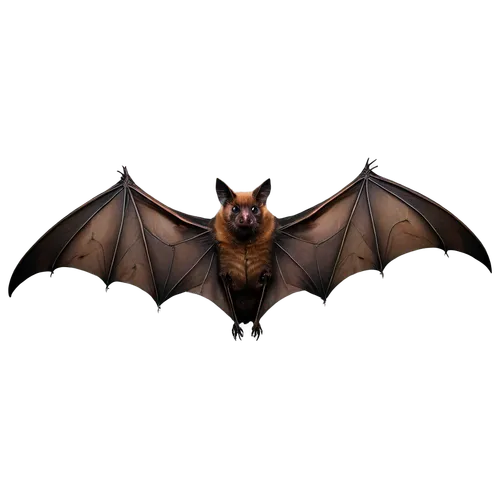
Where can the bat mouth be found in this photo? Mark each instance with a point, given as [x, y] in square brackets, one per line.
[243, 232]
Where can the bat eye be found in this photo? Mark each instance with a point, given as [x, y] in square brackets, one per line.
[255, 209]
[235, 209]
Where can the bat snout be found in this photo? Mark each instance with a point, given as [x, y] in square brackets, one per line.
[245, 222]
[245, 219]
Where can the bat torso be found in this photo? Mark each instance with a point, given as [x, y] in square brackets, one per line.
[245, 263]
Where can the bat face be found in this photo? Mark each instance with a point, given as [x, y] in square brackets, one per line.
[244, 214]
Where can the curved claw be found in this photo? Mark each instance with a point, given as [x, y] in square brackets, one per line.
[256, 331]
[237, 331]
[366, 170]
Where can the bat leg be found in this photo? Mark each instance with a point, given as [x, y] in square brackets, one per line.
[256, 328]
[237, 331]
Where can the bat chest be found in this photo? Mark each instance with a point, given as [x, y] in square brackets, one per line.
[245, 263]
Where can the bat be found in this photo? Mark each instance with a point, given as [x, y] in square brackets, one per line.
[245, 259]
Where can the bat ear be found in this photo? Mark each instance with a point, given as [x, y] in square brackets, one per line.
[262, 192]
[224, 192]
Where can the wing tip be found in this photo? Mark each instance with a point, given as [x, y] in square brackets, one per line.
[16, 283]
[366, 168]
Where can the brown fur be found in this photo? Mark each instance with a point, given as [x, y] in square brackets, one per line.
[244, 261]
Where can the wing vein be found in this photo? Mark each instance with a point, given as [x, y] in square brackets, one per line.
[316, 209]
[296, 237]
[168, 275]
[206, 275]
[191, 238]
[157, 237]
[179, 242]
[117, 238]
[345, 236]
[319, 273]
[373, 227]
[486, 260]
[139, 191]
[330, 237]
[281, 272]
[297, 264]
[188, 271]
[146, 248]
[81, 227]
[414, 209]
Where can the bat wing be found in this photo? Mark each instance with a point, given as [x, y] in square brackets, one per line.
[365, 226]
[126, 235]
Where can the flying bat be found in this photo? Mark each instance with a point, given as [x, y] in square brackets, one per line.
[245, 259]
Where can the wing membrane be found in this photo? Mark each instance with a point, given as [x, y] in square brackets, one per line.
[365, 226]
[126, 235]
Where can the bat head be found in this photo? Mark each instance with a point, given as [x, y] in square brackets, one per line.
[244, 214]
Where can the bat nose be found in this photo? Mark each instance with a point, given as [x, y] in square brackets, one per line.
[245, 221]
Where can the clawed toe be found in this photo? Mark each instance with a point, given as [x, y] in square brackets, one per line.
[238, 331]
[256, 333]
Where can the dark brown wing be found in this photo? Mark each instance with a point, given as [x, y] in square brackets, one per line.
[126, 235]
[367, 224]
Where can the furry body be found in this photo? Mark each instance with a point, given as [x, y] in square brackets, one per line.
[245, 255]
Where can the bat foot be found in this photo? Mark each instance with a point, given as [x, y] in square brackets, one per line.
[256, 331]
[238, 332]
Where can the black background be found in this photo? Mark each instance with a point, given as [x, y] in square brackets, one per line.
[425, 301]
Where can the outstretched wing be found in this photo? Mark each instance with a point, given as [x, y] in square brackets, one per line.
[125, 235]
[367, 224]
